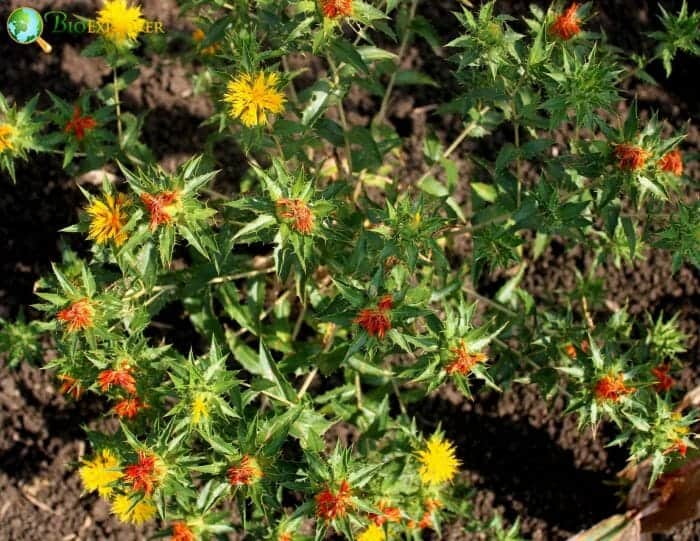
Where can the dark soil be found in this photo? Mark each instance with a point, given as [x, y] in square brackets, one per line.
[523, 458]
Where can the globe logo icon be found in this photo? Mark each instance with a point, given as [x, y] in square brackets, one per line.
[25, 25]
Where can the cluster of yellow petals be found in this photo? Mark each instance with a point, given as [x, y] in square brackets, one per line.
[252, 97]
[120, 22]
[108, 218]
[132, 512]
[200, 409]
[438, 461]
[99, 473]
[6, 132]
[372, 533]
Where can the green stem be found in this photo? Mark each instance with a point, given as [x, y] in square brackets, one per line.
[341, 114]
[381, 115]
[118, 106]
[458, 141]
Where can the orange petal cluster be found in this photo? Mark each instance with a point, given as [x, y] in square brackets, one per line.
[387, 514]
[297, 211]
[463, 361]
[129, 408]
[246, 472]
[376, 320]
[663, 381]
[120, 378]
[333, 505]
[71, 386]
[567, 24]
[672, 162]
[79, 125]
[145, 474]
[611, 388]
[631, 157]
[180, 532]
[161, 207]
[336, 8]
[78, 316]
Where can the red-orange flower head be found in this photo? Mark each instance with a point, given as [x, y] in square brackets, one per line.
[71, 386]
[672, 162]
[299, 212]
[245, 473]
[680, 446]
[567, 24]
[631, 157]
[129, 408]
[336, 8]
[181, 532]
[161, 206]
[463, 361]
[386, 514]
[663, 381]
[145, 474]
[333, 505]
[376, 320]
[78, 316]
[612, 387]
[121, 378]
[79, 125]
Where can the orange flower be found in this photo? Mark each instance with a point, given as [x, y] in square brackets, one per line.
[297, 210]
[180, 532]
[129, 407]
[612, 387]
[145, 474]
[336, 8]
[570, 350]
[161, 206]
[663, 381]
[121, 378]
[332, 505]
[78, 124]
[284, 536]
[567, 24]
[246, 472]
[376, 320]
[71, 386]
[463, 362]
[631, 157]
[680, 446]
[387, 514]
[672, 162]
[78, 316]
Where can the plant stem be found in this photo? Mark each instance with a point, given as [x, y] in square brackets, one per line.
[292, 90]
[493, 304]
[341, 114]
[461, 137]
[402, 51]
[118, 106]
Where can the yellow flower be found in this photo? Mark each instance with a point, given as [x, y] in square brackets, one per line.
[108, 218]
[251, 98]
[6, 132]
[438, 461]
[199, 408]
[372, 533]
[120, 22]
[100, 472]
[128, 512]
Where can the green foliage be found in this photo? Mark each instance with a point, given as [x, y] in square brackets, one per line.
[328, 291]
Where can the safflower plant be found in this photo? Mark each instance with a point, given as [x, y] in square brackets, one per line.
[326, 290]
